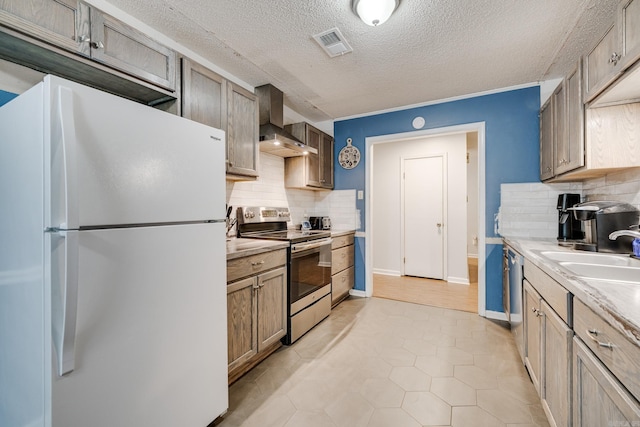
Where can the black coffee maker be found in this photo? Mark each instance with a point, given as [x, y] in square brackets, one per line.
[569, 228]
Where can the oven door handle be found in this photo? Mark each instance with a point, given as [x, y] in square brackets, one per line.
[305, 247]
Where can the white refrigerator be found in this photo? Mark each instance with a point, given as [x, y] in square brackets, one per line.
[112, 263]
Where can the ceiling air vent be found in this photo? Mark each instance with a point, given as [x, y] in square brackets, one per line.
[333, 42]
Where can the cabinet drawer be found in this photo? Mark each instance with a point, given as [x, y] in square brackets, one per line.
[254, 264]
[341, 259]
[556, 296]
[341, 283]
[621, 356]
[341, 241]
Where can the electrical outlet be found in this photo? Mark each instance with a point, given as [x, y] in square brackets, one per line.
[360, 194]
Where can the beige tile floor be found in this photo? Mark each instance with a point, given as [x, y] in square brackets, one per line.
[376, 362]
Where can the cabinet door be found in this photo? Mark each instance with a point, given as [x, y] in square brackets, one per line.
[59, 22]
[126, 49]
[533, 333]
[546, 140]
[559, 143]
[598, 398]
[203, 95]
[313, 138]
[242, 337]
[326, 160]
[556, 369]
[629, 31]
[272, 309]
[571, 152]
[601, 63]
[242, 131]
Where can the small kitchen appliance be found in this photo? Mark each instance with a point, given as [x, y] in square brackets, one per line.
[600, 219]
[569, 228]
[308, 262]
[320, 222]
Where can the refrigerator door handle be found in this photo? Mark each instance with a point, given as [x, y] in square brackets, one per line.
[69, 146]
[66, 341]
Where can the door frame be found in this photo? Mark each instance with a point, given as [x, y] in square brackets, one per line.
[478, 127]
[445, 216]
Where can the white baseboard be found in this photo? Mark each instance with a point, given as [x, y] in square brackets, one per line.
[357, 293]
[383, 272]
[458, 280]
[495, 315]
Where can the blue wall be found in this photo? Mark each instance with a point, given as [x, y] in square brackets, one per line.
[512, 155]
[6, 97]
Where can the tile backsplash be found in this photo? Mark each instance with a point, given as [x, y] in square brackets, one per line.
[528, 210]
[269, 190]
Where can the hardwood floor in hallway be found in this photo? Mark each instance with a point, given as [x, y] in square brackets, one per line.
[436, 293]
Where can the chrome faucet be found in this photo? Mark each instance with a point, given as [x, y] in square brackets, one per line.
[618, 233]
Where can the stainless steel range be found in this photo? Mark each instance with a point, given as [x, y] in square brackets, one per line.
[309, 265]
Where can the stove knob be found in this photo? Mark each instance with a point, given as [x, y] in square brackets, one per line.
[252, 214]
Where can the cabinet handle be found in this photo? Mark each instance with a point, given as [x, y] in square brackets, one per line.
[261, 284]
[537, 312]
[593, 334]
[97, 45]
[84, 38]
[255, 286]
[255, 264]
[615, 57]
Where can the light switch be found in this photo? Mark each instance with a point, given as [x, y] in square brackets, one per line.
[360, 194]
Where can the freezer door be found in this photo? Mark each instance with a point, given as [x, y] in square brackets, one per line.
[150, 329]
[114, 162]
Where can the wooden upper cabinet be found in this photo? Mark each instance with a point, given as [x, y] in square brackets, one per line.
[313, 171]
[82, 29]
[59, 22]
[602, 63]
[210, 99]
[629, 31]
[126, 49]
[242, 131]
[326, 161]
[570, 148]
[546, 140]
[203, 95]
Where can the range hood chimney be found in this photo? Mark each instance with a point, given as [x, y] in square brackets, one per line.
[273, 138]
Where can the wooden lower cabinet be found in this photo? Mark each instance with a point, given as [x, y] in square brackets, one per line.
[548, 355]
[256, 319]
[342, 267]
[533, 331]
[598, 398]
[556, 373]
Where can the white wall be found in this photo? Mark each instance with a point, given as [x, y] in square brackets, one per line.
[386, 202]
[529, 210]
[472, 195]
[269, 190]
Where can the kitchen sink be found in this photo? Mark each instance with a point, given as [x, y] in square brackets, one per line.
[615, 273]
[590, 258]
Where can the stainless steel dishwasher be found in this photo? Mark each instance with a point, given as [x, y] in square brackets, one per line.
[512, 277]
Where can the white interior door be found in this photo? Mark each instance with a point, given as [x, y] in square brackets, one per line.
[423, 217]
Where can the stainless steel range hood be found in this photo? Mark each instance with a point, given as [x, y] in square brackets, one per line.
[273, 138]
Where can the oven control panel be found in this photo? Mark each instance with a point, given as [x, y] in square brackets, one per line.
[252, 214]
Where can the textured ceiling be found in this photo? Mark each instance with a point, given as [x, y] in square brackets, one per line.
[428, 50]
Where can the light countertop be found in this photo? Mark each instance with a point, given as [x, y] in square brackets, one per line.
[238, 247]
[338, 233]
[616, 302]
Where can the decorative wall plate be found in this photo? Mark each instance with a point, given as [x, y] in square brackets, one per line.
[349, 156]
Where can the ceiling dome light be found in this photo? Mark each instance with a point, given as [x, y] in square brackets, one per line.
[374, 12]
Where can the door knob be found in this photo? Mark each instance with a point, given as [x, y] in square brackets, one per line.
[438, 225]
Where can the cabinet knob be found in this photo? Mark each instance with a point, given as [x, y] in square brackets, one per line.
[255, 264]
[615, 57]
[97, 45]
[84, 38]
